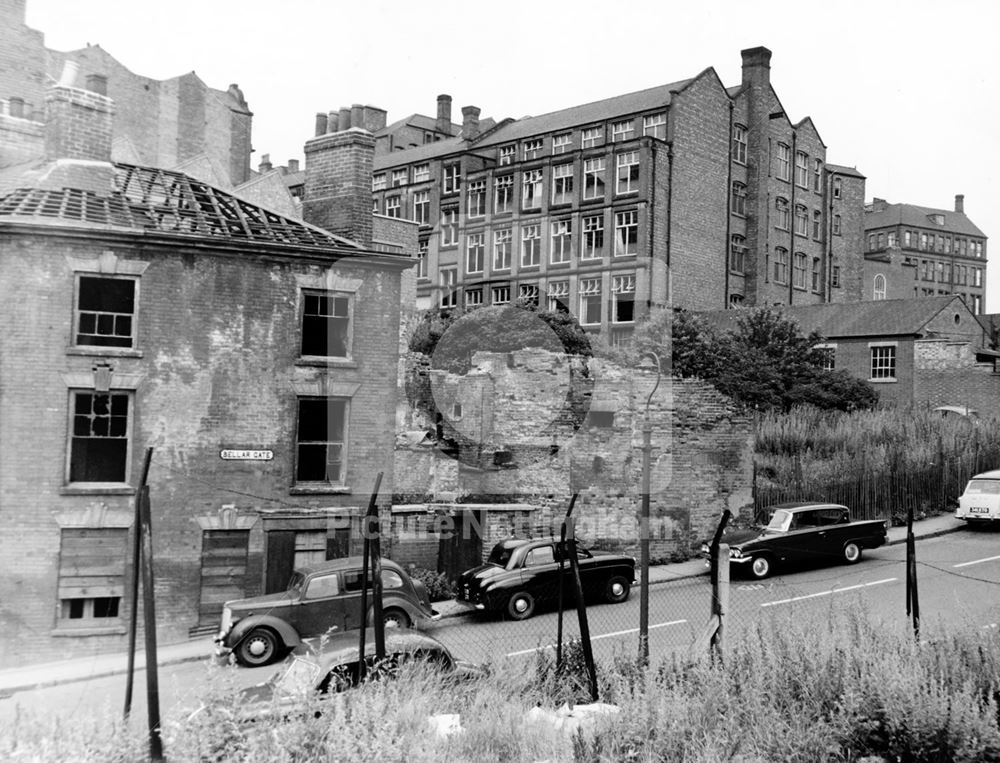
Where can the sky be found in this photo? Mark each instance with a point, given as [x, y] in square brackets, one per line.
[906, 92]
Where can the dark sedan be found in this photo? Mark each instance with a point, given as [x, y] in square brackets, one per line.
[520, 575]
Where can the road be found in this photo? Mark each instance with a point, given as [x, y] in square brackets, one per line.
[959, 584]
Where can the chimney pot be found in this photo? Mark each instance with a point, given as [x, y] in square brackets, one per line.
[265, 163]
[69, 72]
[321, 124]
[443, 123]
[960, 202]
[97, 83]
[343, 119]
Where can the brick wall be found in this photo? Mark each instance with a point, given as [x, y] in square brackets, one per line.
[77, 124]
[338, 183]
[946, 373]
[20, 140]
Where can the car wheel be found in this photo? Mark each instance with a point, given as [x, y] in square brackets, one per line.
[521, 606]
[852, 553]
[760, 567]
[395, 618]
[617, 589]
[258, 647]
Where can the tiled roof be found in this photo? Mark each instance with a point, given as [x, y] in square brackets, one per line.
[419, 154]
[919, 217]
[842, 170]
[889, 317]
[149, 199]
[419, 121]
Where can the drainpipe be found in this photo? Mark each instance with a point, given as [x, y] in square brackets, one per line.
[729, 213]
[791, 204]
[670, 232]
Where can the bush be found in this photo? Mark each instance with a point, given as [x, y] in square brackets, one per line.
[439, 588]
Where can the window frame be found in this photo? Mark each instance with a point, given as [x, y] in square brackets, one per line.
[802, 169]
[504, 255]
[622, 284]
[449, 226]
[588, 296]
[654, 124]
[592, 238]
[448, 283]
[739, 144]
[738, 198]
[783, 162]
[422, 207]
[882, 361]
[78, 313]
[451, 177]
[561, 241]
[737, 253]
[532, 148]
[781, 265]
[475, 252]
[562, 184]
[562, 143]
[503, 191]
[531, 232]
[626, 220]
[532, 189]
[72, 436]
[109, 568]
[475, 198]
[622, 130]
[343, 443]
[333, 295]
[627, 173]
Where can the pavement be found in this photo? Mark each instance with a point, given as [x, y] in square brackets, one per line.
[201, 648]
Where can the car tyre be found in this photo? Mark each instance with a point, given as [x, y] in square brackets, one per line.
[521, 606]
[760, 566]
[617, 589]
[852, 553]
[259, 647]
[395, 618]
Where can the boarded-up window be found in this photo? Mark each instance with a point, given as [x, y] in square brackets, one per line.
[223, 571]
[91, 574]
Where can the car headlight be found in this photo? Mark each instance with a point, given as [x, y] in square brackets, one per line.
[227, 621]
[735, 553]
[705, 548]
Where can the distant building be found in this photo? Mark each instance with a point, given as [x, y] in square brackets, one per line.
[913, 251]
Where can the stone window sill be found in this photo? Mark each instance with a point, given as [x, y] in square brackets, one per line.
[88, 630]
[111, 352]
[98, 488]
[317, 489]
[325, 362]
[883, 381]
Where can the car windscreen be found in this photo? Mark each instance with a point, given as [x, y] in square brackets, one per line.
[297, 679]
[780, 520]
[983, 487]
[295, 583]
[500, 555]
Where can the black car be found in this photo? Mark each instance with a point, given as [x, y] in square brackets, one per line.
[521, 574]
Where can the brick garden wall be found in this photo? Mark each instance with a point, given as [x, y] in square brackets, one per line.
[946, 373]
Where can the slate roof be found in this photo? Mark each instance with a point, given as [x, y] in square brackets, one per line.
[419, 154]
[419, 121]
[888, 317]
[918, 217]
[842, 170]
[149, 199]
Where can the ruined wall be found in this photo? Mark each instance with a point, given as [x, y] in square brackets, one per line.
[947, 373]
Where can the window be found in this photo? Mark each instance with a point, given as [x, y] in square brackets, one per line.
[977, 277]
[781, 213]
[828, 356]
[558, 296]
[501, 249]
[628, 172]
[562, 143]
[503, 194]
[593, 237]
[590, 301]
[626, 233]
[392, 206]
[99, 440]
[531, 245]
[817, 224]
[818, 175]
[977, 304]
[592, 136]
[879, 291]
[423, 247]
[562, 184]
[739, 201]
[836, 225]
[562, 241]
[737, 253]
[527, 294]
[422, 207]
[452, 178]
[500, 294]
[378, 182]
[883, 362]
[310, 548]
[801, 169]
[449, 295]
[836, 188]
[801, 220]
[476, 198]
[947, 244]
[799, 270]
[907, 235]
[891, 238]
[835, 276]
[449, 226]
[507, 154]
[105, 311]
[398, 178]
[421, 173]
[623, 299]
[783, 157]
[593, 178]
[740, 144]
[622, 130]
[923, 242]
[326, 324]
[473, 297]
[322, 587]
[320, 440]
[532, 148]
[817, 275]
[531, 189]
[655, 125]
[475, 252]
[91, 575]
[781, 265]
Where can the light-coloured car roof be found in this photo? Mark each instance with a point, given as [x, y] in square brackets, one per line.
[992, 475]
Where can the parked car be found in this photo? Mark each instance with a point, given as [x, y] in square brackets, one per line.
[802, 532]
[319, 599]
[981, 500]
[520, 575]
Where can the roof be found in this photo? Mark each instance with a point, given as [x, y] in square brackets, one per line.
[419, 121]
[596, 111]
[888, 317]
[802, 505]
[915, 216]
[842, 170]
[419, 154]
[343, 563]
[992, 475]
[133, 198]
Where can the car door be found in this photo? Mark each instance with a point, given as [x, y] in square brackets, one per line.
[540, 572]
[321, 606]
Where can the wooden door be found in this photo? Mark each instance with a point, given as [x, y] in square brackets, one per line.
[280, 560]
[223, 572]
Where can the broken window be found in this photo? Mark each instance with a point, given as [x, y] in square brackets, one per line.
[105, 312]
[326, 323]
[99, 439]
[91, 575]
[322, 425]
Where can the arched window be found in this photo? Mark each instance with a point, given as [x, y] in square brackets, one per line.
[879, 287]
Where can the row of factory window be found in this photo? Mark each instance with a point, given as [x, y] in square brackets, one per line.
[928, 242]
[946, 272]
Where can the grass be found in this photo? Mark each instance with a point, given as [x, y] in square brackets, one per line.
[839, 689]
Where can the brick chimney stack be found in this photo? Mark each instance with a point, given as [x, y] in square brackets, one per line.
[960, 202]
[470, 122]
[77, 121]
[444, 114]
[756, 66]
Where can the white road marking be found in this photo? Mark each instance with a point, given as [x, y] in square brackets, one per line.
[598, 638]
[827, 593]
[977, 561]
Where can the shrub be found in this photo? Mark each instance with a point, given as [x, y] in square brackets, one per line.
[439, 588]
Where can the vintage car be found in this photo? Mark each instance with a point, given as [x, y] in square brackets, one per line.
[981, 500]
[319, 599]
[802, 533]
[520, 575]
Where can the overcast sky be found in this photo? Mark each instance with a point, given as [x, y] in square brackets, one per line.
[907, 92]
